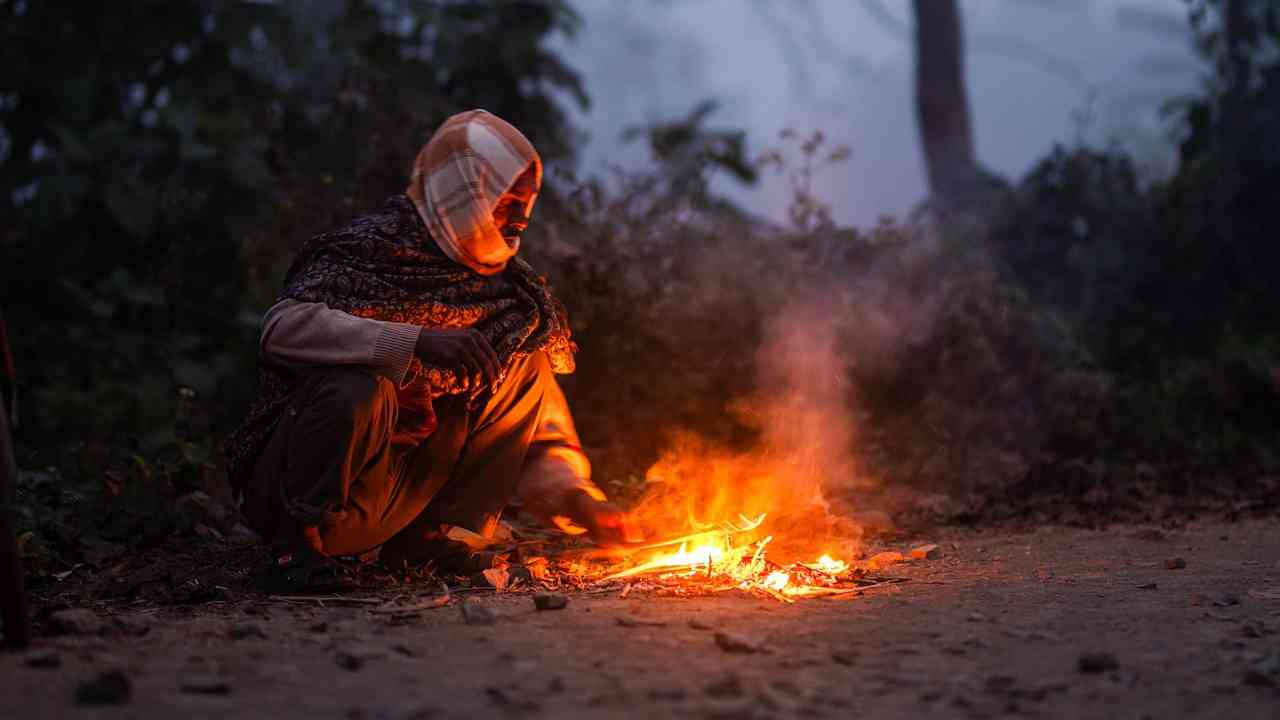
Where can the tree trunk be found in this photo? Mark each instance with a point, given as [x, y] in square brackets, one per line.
[942, 103]
[1239, 39]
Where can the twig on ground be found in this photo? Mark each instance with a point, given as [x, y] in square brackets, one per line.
[326, 599]
[438, 601]
[854, 591]
[775, 594]
[464, 590]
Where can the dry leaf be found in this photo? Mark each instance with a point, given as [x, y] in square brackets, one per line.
[884, 560]
[926, 552]
[475, 541]
[537, 567]
[497, 577]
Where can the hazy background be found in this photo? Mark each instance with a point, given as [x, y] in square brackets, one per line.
[1040, 72]
[1076, 344]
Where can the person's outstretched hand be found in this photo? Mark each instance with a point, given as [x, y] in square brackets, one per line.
[466, 352]
[605, 522]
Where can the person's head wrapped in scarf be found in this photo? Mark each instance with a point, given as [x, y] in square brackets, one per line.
[474, 165]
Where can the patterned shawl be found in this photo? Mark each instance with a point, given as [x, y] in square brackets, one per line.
[386, 265]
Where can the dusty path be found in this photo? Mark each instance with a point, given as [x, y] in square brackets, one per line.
[996, 627]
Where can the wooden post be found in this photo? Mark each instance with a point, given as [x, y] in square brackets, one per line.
[13, 597]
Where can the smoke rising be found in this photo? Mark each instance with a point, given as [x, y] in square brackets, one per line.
[805, 427]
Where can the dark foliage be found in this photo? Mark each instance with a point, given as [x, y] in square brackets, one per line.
[1086, 333]
[153, 151]
[161, 160]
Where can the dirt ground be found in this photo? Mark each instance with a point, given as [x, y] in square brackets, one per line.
[1055, 623]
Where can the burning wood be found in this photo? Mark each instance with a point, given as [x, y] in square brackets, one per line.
[717, 560]
[803, 550]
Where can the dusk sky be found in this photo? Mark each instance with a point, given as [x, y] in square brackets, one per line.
[1040, 72]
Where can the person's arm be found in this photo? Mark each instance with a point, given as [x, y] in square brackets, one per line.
[556, 484]
[315, 334]
[306, 333]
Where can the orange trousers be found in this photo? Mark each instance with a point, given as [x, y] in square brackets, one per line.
[331, 469]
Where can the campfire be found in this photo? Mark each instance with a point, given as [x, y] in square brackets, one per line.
[715, 521]
[754, 517]
[786, 545]
[713, 561]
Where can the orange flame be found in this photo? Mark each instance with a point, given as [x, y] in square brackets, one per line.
[693, 488]
[702, 555]
[804, 431]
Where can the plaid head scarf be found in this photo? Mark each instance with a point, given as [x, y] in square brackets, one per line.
[460, 174]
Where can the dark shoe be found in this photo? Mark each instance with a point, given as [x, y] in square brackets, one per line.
[305, 571]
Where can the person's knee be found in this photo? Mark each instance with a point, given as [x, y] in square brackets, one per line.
[355, 393]
[526, 373]
[533, 365]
